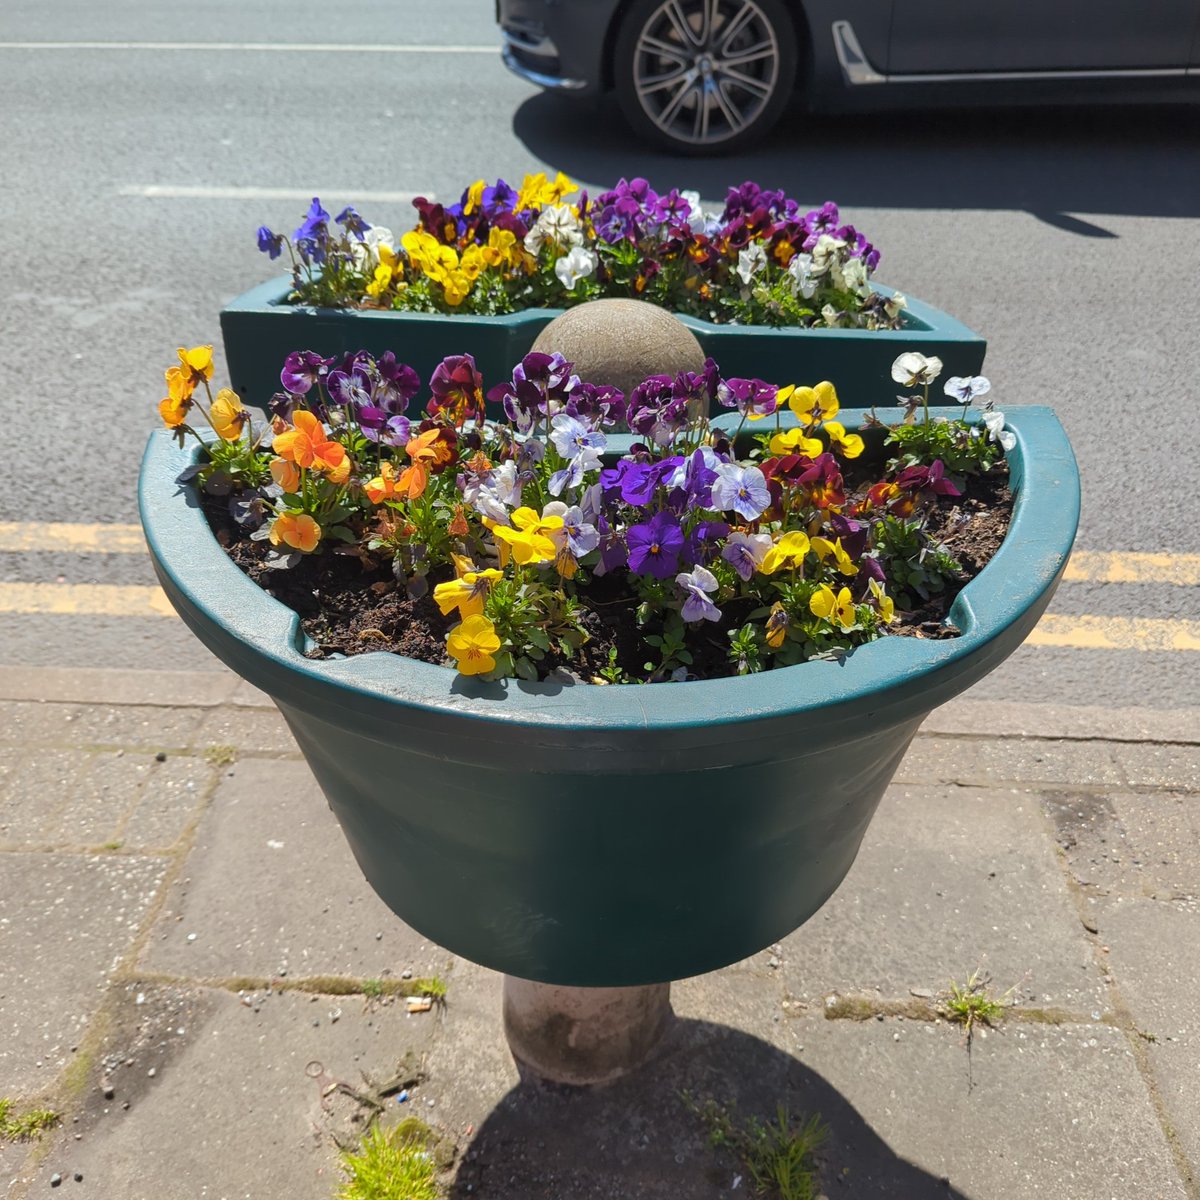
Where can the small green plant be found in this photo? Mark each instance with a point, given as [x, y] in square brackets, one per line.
[745, 650]
[612, 671]
[111, 846]
[221, 756]
[917, 567]
[431, 985]
[27, 1126]
[779, 1155]
[970, 1004]
[392, 1164]
[372, 988]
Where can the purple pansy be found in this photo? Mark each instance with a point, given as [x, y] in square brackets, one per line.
[301, 369]
[697, 584]
[655, 546]
[742, 490]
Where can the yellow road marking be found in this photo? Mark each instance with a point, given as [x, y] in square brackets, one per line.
[1076, 632]
[29, 537]
[1090, 566]
[84, 600]
[1115, 633]
[1086, 566]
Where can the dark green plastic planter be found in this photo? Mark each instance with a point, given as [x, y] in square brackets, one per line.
[260, 329]
[605, 836]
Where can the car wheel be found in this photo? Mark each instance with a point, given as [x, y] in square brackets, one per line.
[704, 76]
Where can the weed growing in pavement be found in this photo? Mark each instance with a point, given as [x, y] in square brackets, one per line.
[779, 1155]
[221, 756]
[392, 1164]
[433, 986]
[26, 1126]
[971, 1004]
[372, 988]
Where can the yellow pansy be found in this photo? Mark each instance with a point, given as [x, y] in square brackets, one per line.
[851, 444]
[789, 551]
[473, 645]
[455, 287]
[883, 602]
[502, 249]
[840, 608]
[297, 530]
[380, 281]
[794, 441]
[472, 262]
[813, 404]
[227, 415]
[174, 410]
[467, 593]
[285, 473]
[835, 550]
[474, 198]
[777, 626]
[537, 191]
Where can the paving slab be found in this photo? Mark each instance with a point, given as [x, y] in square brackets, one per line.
[39, 787]
[251, 730]
[988, 762]
[948, 881]
[66, 921]
[37, 723]
[222, 1100]
[1176, 767]
[1155, 955]
[271, 887]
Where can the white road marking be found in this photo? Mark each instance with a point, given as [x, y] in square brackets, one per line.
[166, 191]
[261, 47]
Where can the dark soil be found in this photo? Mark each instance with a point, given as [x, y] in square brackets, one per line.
[351, 606]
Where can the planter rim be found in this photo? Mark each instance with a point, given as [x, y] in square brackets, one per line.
[263, 641]
[927, 322]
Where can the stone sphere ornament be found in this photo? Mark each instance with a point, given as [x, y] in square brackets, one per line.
[621, 342]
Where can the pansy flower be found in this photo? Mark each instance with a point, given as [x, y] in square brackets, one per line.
[697, 585]
[297, 530]
[473, 645]
[655, 546]
[835, 608]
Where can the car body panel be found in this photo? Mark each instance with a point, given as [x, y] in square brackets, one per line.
[913, 54]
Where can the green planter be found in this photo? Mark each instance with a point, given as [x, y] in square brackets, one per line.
[604, 836]
[259, 330]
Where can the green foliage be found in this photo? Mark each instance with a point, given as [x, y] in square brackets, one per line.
[915, 565]
[671, 644]
[26, 1126]
[746, 649]
[531, 620]
[612, 671]
[429, 985]
[394, 1164]
[779, 1155]
[965, 449]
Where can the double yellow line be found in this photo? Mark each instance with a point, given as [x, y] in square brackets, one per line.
[1080, 632]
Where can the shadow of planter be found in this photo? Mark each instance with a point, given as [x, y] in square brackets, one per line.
[260, 329]
[542, 1140]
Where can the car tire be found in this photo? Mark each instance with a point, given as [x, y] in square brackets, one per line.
[704, 76]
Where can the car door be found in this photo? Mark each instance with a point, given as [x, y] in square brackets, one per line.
[970, 36]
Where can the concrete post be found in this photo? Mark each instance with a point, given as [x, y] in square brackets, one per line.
[583, 1036]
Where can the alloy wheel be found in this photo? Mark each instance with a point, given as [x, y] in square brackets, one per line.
[704, 70]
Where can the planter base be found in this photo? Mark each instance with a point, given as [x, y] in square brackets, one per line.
[583, 1036]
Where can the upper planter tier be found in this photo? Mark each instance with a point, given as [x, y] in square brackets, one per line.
[260, 329]
[604, 836]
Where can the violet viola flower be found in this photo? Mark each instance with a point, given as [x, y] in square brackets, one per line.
[312, 236]
[853, 534]
[270, 243]
[751, 397]
[694, 479]
[702, 540]
[927, 479]
[696, 585]
[636, 482]
[821, 220]
[742, 490]
[745, 551]
[350, 220]
[396, 432]
[655, 546]
[301, 369]
[498, 200]
[597, 405]
[398, 384]
[576, 534]
[350, 389]
[613, 551]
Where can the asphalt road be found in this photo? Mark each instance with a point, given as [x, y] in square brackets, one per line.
[1069, 239]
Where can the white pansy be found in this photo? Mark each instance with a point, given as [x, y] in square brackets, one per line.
[556, 223]
[800, 271]
[698, 220]
[965, 388]
[850, 275]
[915, 370]
[751, 260]
[894, 305]
[578, 263]
[994, 423]
[830, 315]
[366, 252]
[826, 252]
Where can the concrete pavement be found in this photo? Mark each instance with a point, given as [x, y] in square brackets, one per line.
[191, 960]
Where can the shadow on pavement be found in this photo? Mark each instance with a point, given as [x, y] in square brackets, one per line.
[636, 1140]
[1048, 162]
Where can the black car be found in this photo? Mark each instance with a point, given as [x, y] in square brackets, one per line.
[697, 76]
